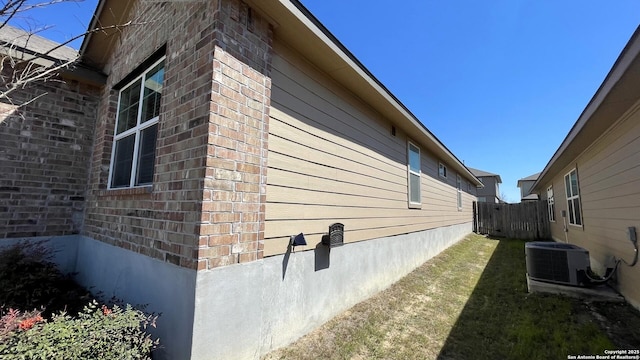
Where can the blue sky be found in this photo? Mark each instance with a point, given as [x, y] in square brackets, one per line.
[499, 82]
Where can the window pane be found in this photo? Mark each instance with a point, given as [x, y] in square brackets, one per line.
[122, 162]
[442, 170]
[576, 207]
[147, 155]
[567, 187]
[574, 183]
[128, 107]
[571, 218]
[414, 158]
[414, 188]
[459, 199]
[152, 93]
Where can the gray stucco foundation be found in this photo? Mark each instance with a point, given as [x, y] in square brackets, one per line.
[244, 311]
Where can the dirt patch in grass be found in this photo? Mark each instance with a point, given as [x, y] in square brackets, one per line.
[470, 302]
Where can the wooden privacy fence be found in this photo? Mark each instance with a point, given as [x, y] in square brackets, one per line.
[527, 220]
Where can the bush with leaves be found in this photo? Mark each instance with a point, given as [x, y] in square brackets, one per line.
[98, 332]
[39, 320]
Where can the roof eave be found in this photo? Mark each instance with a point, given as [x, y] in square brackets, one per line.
[606, 95]
[369, 87]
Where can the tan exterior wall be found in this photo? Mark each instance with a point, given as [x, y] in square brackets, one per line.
[333, 159]
[609, 181]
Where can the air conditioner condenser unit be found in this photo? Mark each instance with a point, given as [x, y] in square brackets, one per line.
[559, 263]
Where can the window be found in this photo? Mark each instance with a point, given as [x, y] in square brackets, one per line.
[459, 186]
[442, 170]
[551, 205]
[134, 145]
[573, 198]
[414, 175]
[482, 199]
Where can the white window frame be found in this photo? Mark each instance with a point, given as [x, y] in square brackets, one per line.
[573, 199]
[410, 172]
[137, 130]
[459, 191]
[442, 170]
[551, 204]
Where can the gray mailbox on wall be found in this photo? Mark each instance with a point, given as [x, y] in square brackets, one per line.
[335, 236]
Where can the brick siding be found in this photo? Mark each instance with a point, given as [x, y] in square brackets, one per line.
[206, 205]
[233, 212]
[45, 147]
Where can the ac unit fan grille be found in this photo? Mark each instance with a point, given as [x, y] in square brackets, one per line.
[550, 265]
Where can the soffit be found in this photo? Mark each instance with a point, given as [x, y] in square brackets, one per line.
[98, 45]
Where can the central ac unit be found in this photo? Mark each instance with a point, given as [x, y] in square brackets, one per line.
[557, 263]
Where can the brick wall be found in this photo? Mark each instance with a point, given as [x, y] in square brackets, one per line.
[233, 212]
[44, 151]
[206, 203]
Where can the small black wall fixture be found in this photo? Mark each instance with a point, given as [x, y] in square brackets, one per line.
[335, 237]
[297, 240]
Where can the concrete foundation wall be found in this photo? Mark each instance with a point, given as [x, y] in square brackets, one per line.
[167, 289]
[246, 310]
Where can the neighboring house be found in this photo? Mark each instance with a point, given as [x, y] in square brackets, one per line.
[220, 130]
[525, 185]
[490, 192]
[592, 182]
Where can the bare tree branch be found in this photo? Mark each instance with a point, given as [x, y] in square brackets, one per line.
[22, 64]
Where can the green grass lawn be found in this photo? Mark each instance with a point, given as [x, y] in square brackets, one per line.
[470, 302]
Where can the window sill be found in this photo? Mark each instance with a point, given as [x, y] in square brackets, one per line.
[140, 190]
[415, 206]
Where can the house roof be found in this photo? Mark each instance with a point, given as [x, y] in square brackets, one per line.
[533, 177]
[26, 45]
[482, 173]
[617, 93]
[530, 197]
[296, 26]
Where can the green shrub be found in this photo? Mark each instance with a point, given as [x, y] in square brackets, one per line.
[98, 332]
[46, 315]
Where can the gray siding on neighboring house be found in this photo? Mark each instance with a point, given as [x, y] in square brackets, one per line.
[491, 189]
[525, 187]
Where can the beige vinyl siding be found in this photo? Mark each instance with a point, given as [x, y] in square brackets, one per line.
[333, 159]
[609, 181]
